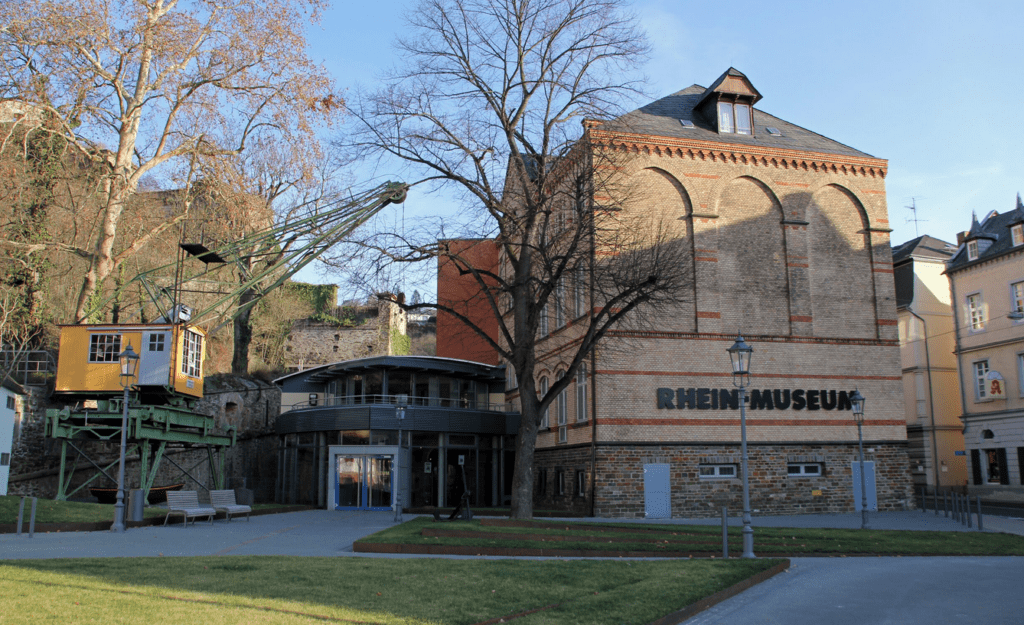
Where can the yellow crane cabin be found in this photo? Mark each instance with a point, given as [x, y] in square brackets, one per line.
[170, 358]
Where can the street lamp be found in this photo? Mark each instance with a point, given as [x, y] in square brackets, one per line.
[400, 413]
[129, 366]
[857, 401]
[740, 353]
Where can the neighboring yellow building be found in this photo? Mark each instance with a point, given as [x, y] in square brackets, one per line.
[927, 343]
[170, 357]
[987, 285]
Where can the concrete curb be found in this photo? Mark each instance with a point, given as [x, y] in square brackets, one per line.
[695, 608]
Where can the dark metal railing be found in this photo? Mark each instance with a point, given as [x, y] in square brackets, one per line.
[400, 400]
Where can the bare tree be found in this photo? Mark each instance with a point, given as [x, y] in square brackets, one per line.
[489, 103]
[148, 87]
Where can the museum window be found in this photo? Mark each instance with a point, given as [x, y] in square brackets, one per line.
[975, 312]
[544, 415]
[804, 469]
[734, 117]
[104, 347]
[581, 393]
[1017, 234]
[191, 355]
[980, 372]
[972, 250]
[714, 471]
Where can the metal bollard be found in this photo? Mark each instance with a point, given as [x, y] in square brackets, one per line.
[725, 532]
[980, 527]
[21, 514]
[32, 519]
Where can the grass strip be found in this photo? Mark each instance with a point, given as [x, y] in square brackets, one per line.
[654, 539]
[419, 591]
[52, 511]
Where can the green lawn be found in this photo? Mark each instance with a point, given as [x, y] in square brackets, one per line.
[291, 589]
[50, 511]
[695, 538]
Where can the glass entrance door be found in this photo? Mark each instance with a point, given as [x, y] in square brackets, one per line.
[364, 483]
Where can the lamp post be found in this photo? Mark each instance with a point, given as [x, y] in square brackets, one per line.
[400, 413]
[739, 354]
[129, 364]
[857, 401]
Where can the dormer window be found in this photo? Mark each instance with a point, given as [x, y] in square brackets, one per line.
[734, 117]
[1017, 234]
[972, 250]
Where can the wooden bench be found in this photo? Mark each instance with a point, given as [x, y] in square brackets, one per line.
[186, 503]
[225, 500]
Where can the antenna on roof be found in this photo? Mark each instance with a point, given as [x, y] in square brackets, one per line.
[913, 208]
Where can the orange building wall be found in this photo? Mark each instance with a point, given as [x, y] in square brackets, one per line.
[464, 294]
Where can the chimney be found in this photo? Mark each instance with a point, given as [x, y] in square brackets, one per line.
[960, 236]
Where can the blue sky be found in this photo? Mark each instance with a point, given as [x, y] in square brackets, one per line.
[934, 87]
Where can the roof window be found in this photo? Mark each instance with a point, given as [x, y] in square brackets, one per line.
[734, 117]
[773, 131]
[686, 123]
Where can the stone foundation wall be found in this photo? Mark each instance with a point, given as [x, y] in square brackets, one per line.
[554, 464]
[619, 489]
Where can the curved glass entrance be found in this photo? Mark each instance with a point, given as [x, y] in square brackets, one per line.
[364, 482]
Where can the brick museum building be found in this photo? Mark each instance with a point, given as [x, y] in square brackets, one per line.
[786, 238]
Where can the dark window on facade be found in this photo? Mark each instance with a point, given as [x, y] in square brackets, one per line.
[1020, 463]
[156, 342]
[581, 484]
[976, 466]
[559, 482]
[542, 482]
[5, 459]
[104, 347]
[996, 461]
[804, 469]
[711, 471]
[10, 402]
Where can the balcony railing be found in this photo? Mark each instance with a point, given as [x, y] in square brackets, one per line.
[401, 400]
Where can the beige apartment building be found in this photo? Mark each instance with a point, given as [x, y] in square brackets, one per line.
[987, 286]
[935, 440]
[785, 235]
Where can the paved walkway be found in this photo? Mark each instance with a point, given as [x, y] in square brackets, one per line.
[837, 591]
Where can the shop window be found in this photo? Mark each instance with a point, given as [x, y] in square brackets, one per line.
[715, 471]
[104, 347]
[804, 469]
[980, 371]
[975, 312]
[995, 469]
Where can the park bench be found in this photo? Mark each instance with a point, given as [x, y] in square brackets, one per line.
[225, 500]
[186, 503]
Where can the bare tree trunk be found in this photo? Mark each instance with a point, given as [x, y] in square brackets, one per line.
[243, 334]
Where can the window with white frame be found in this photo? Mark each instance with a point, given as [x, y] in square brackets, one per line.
[1017, 234]
[104, 347]
[1017, 297]
[975, 312]
[559, 303]
[562, 409]
[581, 484]
[578, 292]
[712, 471]
[192, 355]
[972, 250]
[734, 117]
[581, 393]
[980, 371]
[803, 469]
[544, 424]
[560, 482]
[542, 325]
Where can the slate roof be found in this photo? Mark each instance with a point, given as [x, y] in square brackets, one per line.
[662, 118]
[995, 227]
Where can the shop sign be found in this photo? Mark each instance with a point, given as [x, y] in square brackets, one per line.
[994, 385]
[757, 399]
